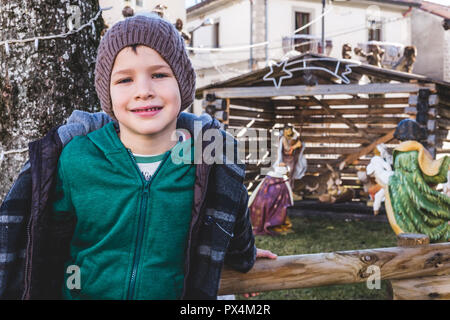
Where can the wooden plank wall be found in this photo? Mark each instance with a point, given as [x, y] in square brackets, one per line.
[327, 133]
[327, 137]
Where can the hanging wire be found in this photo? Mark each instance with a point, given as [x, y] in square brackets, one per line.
[62, 35]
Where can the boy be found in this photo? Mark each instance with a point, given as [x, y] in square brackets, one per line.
[132, 219]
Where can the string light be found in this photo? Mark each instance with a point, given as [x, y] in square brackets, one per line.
[62, 35]
[337, 34]
[3, 153]
[228, 49]
[332, 36]
[258, 44]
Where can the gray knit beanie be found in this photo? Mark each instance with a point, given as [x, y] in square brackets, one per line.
[154, 32]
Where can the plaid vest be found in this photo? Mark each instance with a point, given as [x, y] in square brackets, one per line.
[33, 251]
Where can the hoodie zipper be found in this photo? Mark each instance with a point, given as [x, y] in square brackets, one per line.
[141, 222]
[139, 237]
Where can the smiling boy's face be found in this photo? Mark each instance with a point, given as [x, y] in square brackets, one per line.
[144, 93]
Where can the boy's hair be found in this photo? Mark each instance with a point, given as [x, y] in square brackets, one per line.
[151, 31]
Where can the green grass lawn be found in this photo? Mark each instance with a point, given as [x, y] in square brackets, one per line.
[314, 235]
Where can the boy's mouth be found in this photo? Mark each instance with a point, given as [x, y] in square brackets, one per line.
[146, 109]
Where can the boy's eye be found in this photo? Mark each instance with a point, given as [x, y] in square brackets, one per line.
[159, 75]
[124, 80]
[155, 75]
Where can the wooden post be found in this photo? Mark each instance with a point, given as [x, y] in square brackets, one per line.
[227, 110]
[420, 104]
[366, 149]
[422, 288]
[342, 267]
[323, 89]
[412, 239]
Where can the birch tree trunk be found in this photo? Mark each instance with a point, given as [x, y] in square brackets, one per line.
[39, 88]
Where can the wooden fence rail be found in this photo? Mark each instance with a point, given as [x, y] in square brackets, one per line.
[344, 267]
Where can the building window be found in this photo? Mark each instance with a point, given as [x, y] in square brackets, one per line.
[374, 31]
[302, 19]
[374, 28]
[215, 35]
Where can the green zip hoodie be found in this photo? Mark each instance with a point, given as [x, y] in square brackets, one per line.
[131, 234]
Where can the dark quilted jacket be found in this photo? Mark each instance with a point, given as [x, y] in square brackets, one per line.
[33, 251]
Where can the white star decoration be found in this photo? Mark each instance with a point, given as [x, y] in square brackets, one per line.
[277, 80]
[287, 69]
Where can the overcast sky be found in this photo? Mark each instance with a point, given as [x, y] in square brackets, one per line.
[444, 2]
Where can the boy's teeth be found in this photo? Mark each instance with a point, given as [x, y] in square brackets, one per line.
[149, 109]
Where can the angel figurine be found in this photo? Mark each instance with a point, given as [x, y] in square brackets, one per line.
[380, 168]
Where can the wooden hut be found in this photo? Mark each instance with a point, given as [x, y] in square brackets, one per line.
[340, 114]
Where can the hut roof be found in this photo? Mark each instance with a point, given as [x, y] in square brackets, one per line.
[322, 70]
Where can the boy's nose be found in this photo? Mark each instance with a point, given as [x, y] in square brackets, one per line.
[144, 90]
